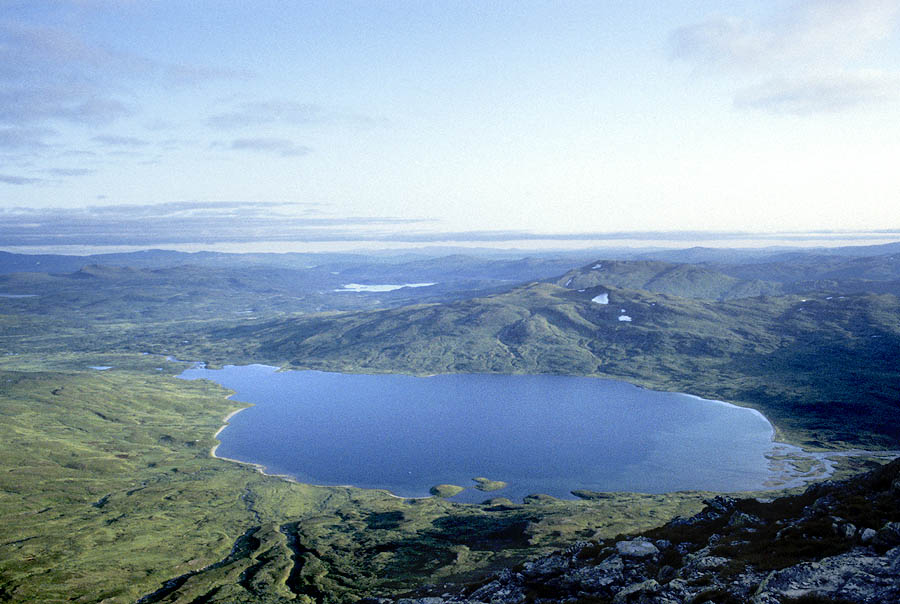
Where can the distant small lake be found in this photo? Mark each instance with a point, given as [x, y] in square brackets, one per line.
[538, 433]
[379, 288]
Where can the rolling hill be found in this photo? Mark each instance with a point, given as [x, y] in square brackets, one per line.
[685, 280]
[822, 367]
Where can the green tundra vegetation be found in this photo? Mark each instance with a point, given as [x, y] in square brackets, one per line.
[108, 491]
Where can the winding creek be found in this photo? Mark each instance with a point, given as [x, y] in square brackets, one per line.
[537, 433]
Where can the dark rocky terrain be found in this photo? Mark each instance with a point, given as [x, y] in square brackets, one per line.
[835, 543]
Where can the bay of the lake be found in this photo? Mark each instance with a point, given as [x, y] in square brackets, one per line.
[538, 433]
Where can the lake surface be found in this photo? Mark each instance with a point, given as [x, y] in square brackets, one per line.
[538, 433]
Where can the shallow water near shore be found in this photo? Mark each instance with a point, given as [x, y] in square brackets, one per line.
[538, 433]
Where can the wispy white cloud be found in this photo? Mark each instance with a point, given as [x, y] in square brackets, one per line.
[811, 34]
[69, 171]
[58, 87]
[45, 102]
[239, 221]
[267, 112]
[52, 78]
[817, 47]
[182, 222]
[803, 96]
[50, 74]
[9, 179]
[24, 139]
[180, 209]
[185, 74]
[283, 112]
[278, 146]
[721, 42]
[120, 141]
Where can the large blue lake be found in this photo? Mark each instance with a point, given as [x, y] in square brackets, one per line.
[538, 433]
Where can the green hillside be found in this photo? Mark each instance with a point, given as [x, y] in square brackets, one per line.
[822, 368]
[685, 280]
[790, 268]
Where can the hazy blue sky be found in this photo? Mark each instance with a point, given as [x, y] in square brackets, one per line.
[423, 116]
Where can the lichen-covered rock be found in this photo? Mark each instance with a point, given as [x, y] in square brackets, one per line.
[630, 593]
[858, 576]
[847, 530]
[637, 548]
[742, 519]
[499, 591]
[721, 504]
[597, 578]
[662, 544]
[867, 535]
[665, 574]
[706, 563]
[548, 566]
[888, 536]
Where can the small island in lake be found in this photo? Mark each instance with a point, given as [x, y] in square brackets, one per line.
[446, 490]
[486, 484]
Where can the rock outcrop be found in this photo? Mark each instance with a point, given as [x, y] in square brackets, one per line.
[835, 543]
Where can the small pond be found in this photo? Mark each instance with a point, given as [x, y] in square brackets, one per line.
[538, 433]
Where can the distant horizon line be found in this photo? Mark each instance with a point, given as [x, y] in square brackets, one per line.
[465, 240]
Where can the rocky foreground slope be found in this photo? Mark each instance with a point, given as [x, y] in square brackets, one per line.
[835, 543]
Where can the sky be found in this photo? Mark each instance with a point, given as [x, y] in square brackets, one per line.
[146, 121]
